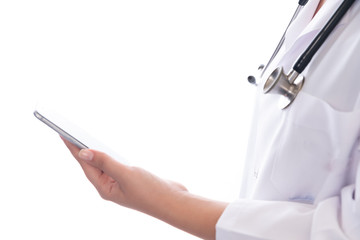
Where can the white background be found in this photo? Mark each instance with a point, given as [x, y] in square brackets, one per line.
[161, 82]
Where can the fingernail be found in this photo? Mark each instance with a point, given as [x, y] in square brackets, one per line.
[86, 155]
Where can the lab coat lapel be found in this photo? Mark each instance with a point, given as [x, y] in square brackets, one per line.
[303, 19]
[357, 187]
[322, 17]
[306, 22]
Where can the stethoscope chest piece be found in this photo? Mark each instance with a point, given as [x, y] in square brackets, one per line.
[286, 85]
[289, 85]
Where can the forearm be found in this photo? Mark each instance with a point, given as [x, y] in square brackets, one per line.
[140, 190]
[190, 213]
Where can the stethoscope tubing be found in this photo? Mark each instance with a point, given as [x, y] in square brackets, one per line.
[301, 4]
[281, 42]
[289, 85]
[306, 57]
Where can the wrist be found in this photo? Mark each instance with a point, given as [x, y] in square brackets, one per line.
[191, 213]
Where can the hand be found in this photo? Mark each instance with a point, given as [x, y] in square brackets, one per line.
[131, 187]
[138, 189]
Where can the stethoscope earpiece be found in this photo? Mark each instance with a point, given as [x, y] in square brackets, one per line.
[252, 79]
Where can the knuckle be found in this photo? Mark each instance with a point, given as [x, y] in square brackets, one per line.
[103, 193]
[104, 196]
[101, 160]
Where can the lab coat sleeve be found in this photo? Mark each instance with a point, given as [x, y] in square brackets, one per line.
[334, 218]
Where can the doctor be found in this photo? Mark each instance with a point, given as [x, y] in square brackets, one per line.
[302, 169]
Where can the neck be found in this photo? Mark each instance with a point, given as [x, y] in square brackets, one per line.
[321, 3]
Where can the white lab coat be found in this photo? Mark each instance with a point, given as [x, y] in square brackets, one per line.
[303, 162]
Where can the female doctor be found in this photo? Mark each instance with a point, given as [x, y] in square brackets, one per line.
[302, 166]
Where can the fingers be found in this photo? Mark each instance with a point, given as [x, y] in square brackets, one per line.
[103, 162]
[105, 173]
[94, 163]
[73, 149]
[92, 173]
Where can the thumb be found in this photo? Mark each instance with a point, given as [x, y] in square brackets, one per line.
[103, 162]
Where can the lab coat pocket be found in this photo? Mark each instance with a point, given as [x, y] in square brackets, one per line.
[315, 145]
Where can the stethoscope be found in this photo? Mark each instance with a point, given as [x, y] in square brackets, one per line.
[289, 85]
